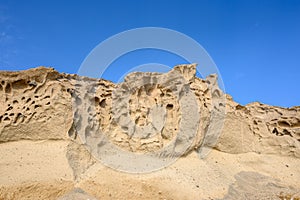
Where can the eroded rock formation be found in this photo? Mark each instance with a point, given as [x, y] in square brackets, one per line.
[62, 118]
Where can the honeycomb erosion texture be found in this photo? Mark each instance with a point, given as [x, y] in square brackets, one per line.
[44, 136]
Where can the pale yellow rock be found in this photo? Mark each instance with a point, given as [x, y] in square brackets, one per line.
[51, 125]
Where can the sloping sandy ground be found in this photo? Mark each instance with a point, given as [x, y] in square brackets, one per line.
[40, 170]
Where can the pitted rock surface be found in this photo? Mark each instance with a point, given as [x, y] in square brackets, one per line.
[52, 125]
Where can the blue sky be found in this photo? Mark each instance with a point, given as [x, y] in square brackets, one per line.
[255, 44]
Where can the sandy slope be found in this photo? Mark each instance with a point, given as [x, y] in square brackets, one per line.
[40, 170]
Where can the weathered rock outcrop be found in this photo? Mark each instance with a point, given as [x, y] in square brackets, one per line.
[35, 105]
[173, 114]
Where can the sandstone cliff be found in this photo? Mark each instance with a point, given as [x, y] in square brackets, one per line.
[52, 130]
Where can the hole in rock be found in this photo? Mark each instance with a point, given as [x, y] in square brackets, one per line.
[36, 106]
[9, 108]
[284, 124]
[8, 88]
[136, 120]
[275, 131]
[239, 107]
[97, 100]
[216, 93]
[32, 83]
[102, 103]
[20, 84]
[286, 132]
[169, 106]
[296, 125]
[18, 117]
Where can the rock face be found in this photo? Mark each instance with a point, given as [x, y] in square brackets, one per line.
[35, 105]
[58, 131]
